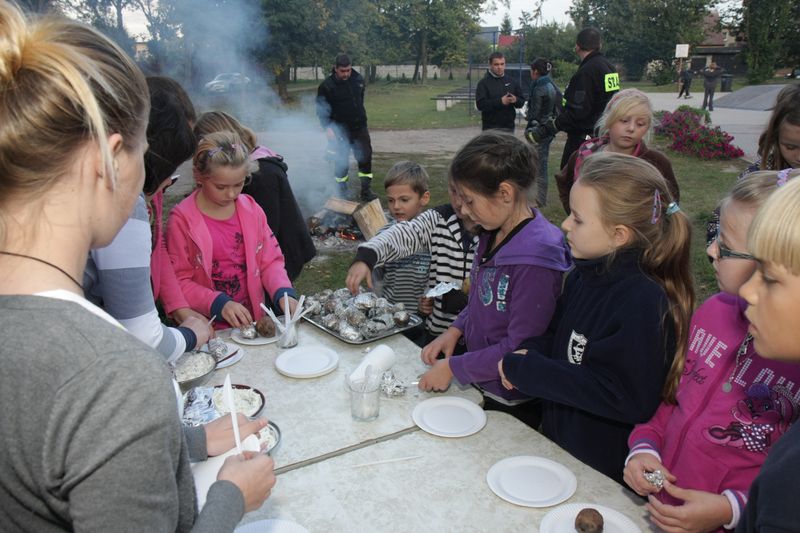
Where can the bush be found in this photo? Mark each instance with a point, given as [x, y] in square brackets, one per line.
[562, 72]
[388, 77]
[690, 136]
[660, 72]
[435, 76]
[697, 111]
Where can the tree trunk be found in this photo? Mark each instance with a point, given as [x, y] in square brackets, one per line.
[423, 52]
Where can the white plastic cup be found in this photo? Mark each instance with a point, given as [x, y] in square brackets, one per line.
[364, 399]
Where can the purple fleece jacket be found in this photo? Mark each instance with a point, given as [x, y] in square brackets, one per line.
[512, 297]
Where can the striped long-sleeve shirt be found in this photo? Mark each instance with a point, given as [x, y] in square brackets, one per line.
[117, 278]
[438, 231]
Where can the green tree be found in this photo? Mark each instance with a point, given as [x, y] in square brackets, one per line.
[770, 31]
[623, 24]
[505, 26]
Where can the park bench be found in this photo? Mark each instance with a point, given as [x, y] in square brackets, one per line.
[448, 100]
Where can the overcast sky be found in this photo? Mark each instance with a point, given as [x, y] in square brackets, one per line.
[552, 10]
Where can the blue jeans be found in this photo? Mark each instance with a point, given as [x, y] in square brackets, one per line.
[543, 151]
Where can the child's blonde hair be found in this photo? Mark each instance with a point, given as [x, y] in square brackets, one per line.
[755, 188]
[774, 235]
[221, 149]
[214, 121]
[407, 173]
[623, 104]
[631, 192]
[63, 85]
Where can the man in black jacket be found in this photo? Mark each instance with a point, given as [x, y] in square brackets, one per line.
[497, 95]
[340, 108]
[587, 93]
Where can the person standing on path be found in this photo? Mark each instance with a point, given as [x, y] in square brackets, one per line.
[497, 95]
[586, 96]
[710, 76]
[340, 108]
[541, 109]
[686, 82]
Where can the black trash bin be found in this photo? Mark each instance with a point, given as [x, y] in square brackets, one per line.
[726, 83]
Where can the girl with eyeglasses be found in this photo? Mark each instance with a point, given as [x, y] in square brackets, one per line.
[696, 458]
[224, 253]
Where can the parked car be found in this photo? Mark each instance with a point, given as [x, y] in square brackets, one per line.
[226, 82]
[794, 74]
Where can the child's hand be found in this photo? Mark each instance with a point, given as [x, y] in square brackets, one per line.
[438, 378]
[253, 474]
[201, 329]
[507, 384]
[444, 343]
[637, 466]
[425, 306]
[701, 511]
[219, 432]
[358, 272]
[292, 305]
[236, 315]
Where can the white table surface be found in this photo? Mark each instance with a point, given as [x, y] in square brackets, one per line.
[443, 488]
[314, 414]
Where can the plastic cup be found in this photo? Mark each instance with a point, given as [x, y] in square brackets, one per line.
[364, 399]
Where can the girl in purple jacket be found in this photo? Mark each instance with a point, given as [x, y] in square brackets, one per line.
[697, 456]
[516, 276]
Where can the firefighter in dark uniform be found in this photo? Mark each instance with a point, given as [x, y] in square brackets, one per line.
[586, 96]
[340, 108]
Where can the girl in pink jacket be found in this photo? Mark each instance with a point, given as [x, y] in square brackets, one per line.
[224, 253]
[696, 459]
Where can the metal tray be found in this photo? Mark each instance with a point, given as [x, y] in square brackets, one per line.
[414, 322]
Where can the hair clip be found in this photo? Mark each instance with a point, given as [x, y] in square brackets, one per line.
[656, 207]
[783, 176]
[673, 208]
[214, 151]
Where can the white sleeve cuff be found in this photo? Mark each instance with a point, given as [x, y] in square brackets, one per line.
[642, 450]
[736, 512]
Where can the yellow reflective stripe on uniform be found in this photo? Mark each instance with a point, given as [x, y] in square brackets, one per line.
[341, 180]
[365, 175]
[611, 82]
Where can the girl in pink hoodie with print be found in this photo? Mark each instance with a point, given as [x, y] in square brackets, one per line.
[697, 457]
[224, 253]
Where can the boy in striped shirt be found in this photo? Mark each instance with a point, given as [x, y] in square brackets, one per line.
[446, 238]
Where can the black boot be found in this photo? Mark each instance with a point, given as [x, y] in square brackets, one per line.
[366, 190]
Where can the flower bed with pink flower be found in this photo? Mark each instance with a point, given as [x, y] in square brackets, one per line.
[690, 136]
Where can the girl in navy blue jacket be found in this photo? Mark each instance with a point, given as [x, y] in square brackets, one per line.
[614, 347]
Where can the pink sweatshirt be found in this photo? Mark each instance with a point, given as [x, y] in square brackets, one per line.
[713, 440]
[190, 249]
[165, 284]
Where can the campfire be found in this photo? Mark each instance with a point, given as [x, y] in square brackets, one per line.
[342, 224]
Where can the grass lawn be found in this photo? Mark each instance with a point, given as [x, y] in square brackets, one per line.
[703, 184]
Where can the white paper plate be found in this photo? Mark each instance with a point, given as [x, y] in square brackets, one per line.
[449, 416]
[531, 481]
[274, 525]
[307, 361]
[562, 519]
[232, 360]
[236, 336]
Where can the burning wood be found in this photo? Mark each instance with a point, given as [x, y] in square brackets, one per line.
[342, 222]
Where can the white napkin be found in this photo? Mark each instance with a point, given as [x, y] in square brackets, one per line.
[205, 473]
[381, 357]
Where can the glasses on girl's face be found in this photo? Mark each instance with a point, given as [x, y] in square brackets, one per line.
[725, 252]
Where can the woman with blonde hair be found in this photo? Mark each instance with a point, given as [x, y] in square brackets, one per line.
[91, 434]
